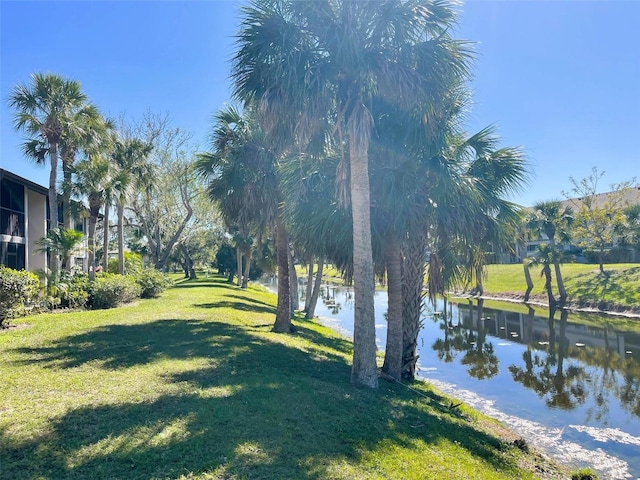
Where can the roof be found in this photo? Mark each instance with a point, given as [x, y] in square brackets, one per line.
[23, 181]
[630, 196]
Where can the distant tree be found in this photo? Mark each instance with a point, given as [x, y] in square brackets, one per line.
[92, 180]
[134, 174]
[551, 218]
[226, 261]
[597, 216]
[630, 231]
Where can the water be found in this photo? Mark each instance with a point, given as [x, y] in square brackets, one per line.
[571, 390]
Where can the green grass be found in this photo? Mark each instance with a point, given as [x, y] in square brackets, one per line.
[618, 285]
[194, 385]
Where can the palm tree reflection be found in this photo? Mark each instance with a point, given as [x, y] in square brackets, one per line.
[479, 354]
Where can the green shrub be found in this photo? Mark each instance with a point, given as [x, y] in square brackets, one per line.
[584, 474]
[18, 291]
[132, 263]
[74, 290]
[110, 290]
[152, 282]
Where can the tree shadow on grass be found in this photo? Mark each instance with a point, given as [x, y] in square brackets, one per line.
[244, 306]
[589, 287]
[259, 409]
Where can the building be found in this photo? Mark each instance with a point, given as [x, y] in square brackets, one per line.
[24, 212]
[623, 199]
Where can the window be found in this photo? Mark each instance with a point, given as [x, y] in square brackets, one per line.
[11, 208]
[12, 255]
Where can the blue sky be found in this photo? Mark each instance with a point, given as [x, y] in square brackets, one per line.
[560, 79]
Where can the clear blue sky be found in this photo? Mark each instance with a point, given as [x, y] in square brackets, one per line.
[560, 79]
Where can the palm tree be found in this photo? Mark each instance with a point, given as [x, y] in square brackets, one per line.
[544, 256]
[61, 242]
[44, 111]
[92, 134]
[93, 180]
[134, 172]
[311, 63]
[551, 218]
[241, 171]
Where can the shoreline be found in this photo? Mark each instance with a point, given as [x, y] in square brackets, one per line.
[621, 311]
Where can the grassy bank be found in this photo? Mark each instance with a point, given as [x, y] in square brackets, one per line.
[195, 386]
[619, 285]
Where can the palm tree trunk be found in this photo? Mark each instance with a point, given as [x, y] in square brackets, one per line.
[121, 237]
[392, 365]
[548, 286]
[239, 265]
[67, 161]
[311, 310]
[295, 298]
[105, 239]
[364, 371]
[527, 278]
[412, 282]
[247, 268]
[309, 288]
[53, 202]
[283, 313]
[556, 265]
[91, 236]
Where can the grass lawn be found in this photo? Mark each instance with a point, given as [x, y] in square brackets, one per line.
[619, 284]
[194, 385]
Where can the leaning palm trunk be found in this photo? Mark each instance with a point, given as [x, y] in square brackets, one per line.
[121, 237]
[283, 313]
[311, 310]
[309, 288]
[392, 365]
[556, 265]
[527, 277]
[364, 370]
[546, 271]
[412, 297]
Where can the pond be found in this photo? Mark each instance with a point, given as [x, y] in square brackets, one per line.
[569, 388]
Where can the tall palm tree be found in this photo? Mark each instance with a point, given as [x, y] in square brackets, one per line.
[311, 63]
[551, 218]
[134, 172]
[242, 176]
[92, 179]
[44, 111]
[92, 134]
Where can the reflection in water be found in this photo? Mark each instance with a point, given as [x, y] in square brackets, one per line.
[561, 388]
[587, 378]
[565, 364]
[479, 355]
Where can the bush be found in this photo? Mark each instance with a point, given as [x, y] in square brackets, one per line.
[110, 290]
[584, 474]
[132, 263]
[74, 290]
[18, 292]
[152, 282]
